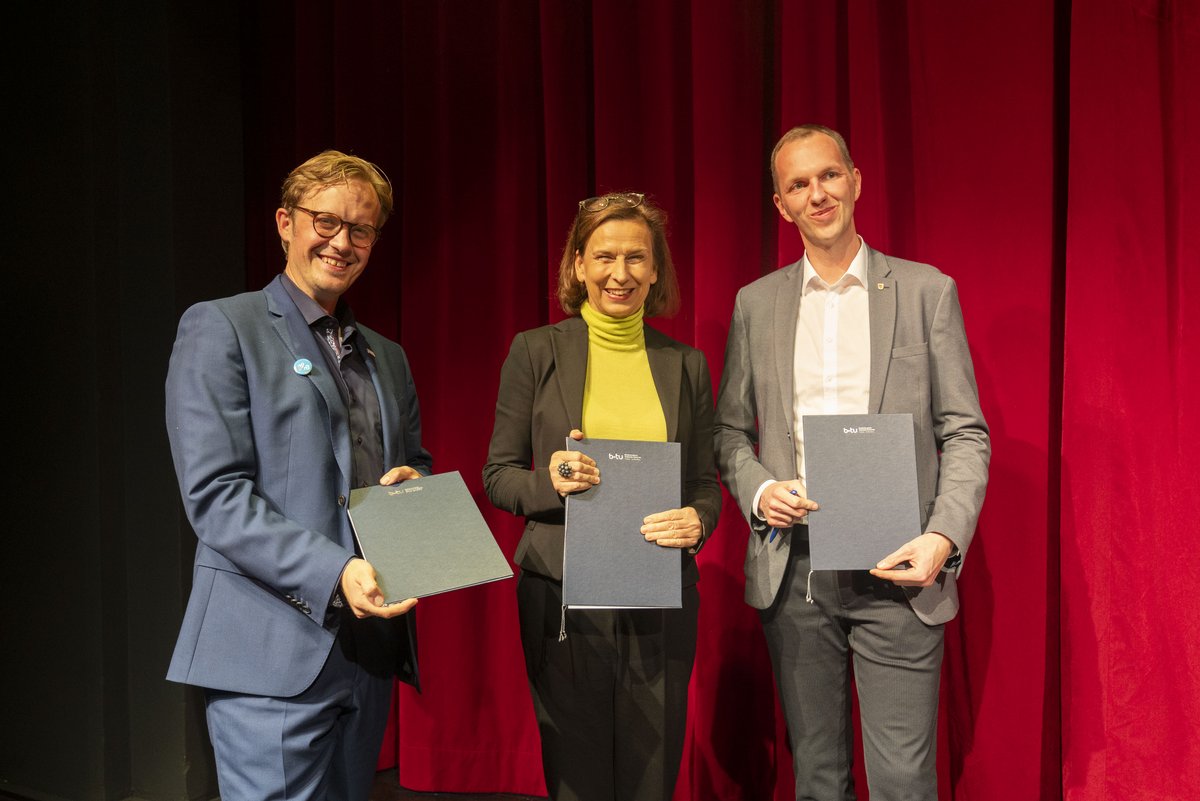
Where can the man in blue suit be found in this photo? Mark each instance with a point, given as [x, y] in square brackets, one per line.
[278, 404]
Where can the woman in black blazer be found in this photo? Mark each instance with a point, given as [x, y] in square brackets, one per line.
[610, 697]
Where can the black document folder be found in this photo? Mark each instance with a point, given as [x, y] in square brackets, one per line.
[862, 470]
[425, 536]
[608, 564]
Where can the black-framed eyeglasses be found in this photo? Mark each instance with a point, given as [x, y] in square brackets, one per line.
[628, 200]
[328, 225]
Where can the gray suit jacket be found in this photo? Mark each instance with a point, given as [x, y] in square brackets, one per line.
[263, 458]
[920, 364]
[541, 399]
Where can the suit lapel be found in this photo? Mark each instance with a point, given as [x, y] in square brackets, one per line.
[299, 340]
[569, 342]
[389, 410]
[881, 301]
[787, 311]
[666, 366]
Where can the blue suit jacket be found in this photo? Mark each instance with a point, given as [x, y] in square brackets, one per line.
[262, 454]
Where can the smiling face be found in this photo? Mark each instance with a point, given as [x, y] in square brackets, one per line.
[324, 268]
[816, 192]
[617, 267]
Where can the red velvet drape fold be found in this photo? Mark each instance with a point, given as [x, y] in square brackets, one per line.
[1040, 153]
[1129, 445]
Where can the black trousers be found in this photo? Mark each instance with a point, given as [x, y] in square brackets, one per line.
[610, 699]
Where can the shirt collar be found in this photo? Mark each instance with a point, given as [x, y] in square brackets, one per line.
[855, 273]
[312, 312]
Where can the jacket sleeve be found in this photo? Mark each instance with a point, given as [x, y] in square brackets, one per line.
[702, 490]
[958, 425]
[416, 456]
[209, 425]
[510, 479]
[735, 434]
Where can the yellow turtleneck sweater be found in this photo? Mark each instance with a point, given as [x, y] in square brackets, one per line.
[620, 400]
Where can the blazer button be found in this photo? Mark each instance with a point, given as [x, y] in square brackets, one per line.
[341, 500]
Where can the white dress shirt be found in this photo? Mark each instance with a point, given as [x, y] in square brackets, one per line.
[832, 351]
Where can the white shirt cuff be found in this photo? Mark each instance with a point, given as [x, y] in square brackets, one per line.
[758, 495]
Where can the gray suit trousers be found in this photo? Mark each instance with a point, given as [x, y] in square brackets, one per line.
[897, 668]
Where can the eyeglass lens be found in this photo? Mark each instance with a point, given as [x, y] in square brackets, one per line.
[328, 225]
[627, 199]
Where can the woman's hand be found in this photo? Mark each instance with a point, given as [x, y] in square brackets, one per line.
[581, 469]
[674, 528]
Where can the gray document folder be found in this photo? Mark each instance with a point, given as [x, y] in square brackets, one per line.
[425, 536]
[607, 562]
[862, 470]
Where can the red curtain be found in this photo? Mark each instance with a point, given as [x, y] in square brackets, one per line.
[1038, 153]
[1129, 449]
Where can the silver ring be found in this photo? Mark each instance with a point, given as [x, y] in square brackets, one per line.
[565, 470]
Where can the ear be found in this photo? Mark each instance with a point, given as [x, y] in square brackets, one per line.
[283, 223]
[857, 183]
[578, 267]
[779, 205]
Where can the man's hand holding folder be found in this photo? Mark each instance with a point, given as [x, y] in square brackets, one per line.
[360, 585]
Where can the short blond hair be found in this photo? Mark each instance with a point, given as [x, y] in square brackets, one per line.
[331, 168]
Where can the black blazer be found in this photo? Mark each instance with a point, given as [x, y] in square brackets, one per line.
[541, 399]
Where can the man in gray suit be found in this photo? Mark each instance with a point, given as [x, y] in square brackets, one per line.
[278, 404]
[849, 330]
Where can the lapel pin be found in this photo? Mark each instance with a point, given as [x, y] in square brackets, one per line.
[302, 367]
[879, 286]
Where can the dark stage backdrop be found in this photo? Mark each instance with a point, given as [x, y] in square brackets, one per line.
[1040, 153]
